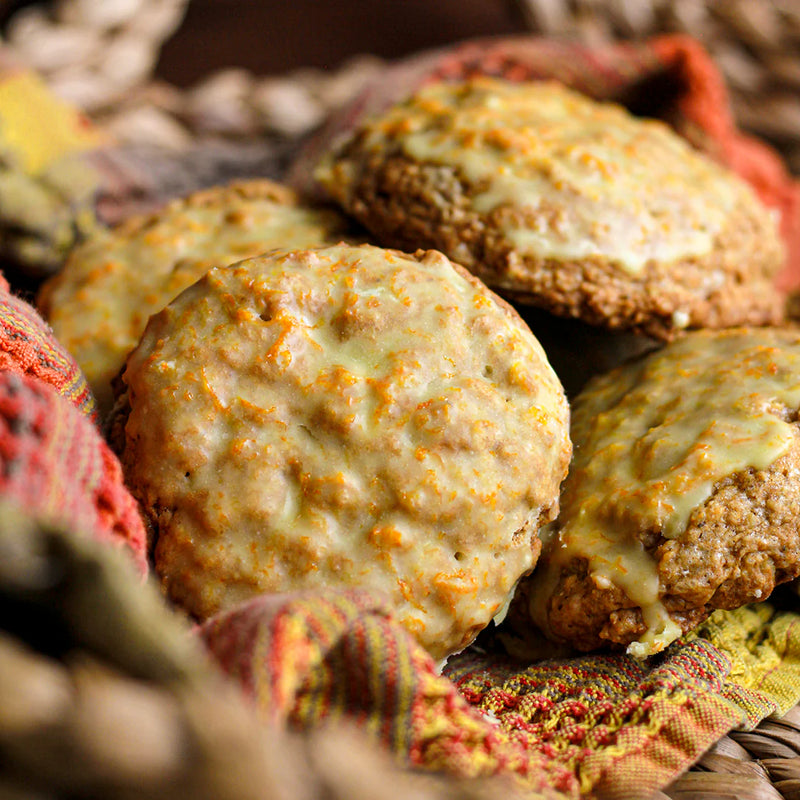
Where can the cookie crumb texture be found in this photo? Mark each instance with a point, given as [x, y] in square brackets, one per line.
[99, 304]
[564, 202]
[683, 496]
[346, 416]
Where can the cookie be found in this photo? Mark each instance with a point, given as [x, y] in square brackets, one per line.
[99, 303]
[345, 416]
[564, 202]
[682, 496]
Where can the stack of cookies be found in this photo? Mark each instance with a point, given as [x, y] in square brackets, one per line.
[356, 397]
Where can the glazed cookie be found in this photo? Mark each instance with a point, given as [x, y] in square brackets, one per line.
[100, 302]
[345, 416]
[683, 494]
[570, 204]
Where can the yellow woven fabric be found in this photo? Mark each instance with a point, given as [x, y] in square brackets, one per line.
[763, 645]
[37, 127]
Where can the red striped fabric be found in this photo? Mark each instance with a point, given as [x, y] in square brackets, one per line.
[27, 346]
[55, 465]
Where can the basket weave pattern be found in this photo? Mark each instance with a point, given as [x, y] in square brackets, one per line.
[101, 56]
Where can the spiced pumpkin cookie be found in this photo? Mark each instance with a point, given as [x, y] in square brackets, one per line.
[345, 416]
[564, 202]
[100, 302]
[683, 495]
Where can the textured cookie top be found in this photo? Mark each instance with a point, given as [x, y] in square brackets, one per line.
[346, 416]
[653, 440]
[607, 184]
[110, 285]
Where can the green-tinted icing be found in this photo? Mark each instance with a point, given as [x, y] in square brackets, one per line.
[652, 439]
[585, 179]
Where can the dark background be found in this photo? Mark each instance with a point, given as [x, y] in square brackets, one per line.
[277, 36]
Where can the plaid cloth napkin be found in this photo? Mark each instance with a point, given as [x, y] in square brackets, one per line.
[600, 726]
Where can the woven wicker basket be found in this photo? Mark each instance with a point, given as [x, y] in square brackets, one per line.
[102, 56]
